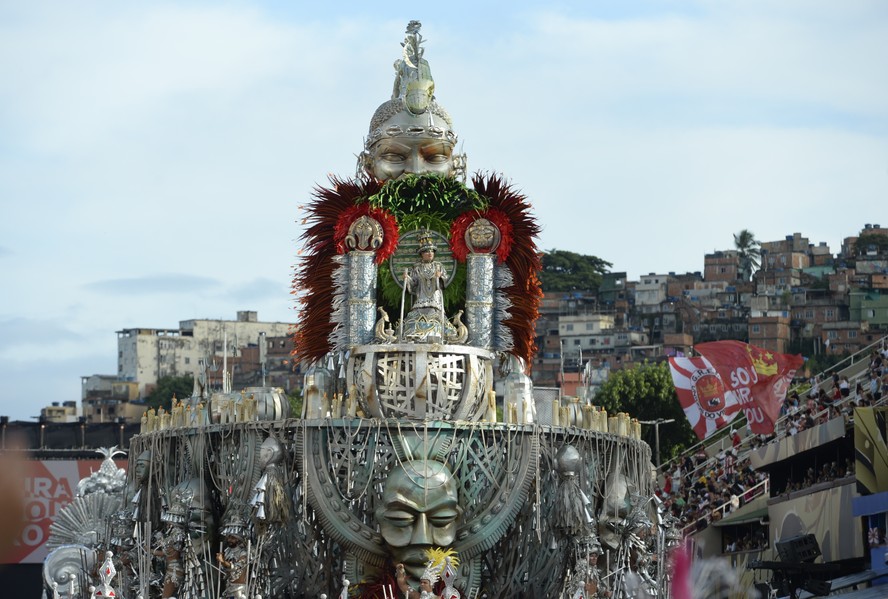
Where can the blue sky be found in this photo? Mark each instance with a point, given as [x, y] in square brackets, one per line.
[153, 156]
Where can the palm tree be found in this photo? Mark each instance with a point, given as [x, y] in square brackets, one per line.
[748, 251]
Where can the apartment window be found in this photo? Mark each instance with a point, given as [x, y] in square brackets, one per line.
[577, 342]
[187, 360]
[756, 328]
[809, 313]
[590, 326]
[568, 327]
[870, 313]
[829, 313]
[832, 334]
[852, 334]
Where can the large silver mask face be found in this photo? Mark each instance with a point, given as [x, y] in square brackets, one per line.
[393, 157]
[419, 510]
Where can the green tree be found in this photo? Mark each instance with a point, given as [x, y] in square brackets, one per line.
[166, 387]
[748, 251]
[646, 392]
[568, 271]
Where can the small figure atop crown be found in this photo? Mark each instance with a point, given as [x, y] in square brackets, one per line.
[411, 133]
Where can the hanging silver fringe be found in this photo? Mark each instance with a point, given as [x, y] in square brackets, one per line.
[339, 316]
[502, 336]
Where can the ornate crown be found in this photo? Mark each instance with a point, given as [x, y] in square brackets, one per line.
[180, 504]
[759, 363]
[235, 524]
[427, 242]
[710, 389]
[430, 574]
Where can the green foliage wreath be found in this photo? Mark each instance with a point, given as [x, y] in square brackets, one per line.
[425, 202]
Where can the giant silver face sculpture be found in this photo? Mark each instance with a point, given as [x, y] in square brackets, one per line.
[411, 133]
[420, 510]
[406, 153]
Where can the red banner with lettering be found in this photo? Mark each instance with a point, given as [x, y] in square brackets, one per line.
[49, 486]
[758, 378]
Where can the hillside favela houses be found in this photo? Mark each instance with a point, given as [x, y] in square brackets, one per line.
[801, 299]
[451, 442]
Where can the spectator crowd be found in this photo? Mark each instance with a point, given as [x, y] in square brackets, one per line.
[701, 489]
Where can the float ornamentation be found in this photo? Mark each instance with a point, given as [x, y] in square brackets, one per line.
[416, 293]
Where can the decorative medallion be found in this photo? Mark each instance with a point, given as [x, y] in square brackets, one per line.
[364, 234]
[482, 236]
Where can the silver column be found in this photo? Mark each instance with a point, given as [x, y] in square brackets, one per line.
[361, 297]
[479, 299]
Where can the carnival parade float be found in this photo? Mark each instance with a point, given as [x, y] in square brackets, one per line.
[406, 475]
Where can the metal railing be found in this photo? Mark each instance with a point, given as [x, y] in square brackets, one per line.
[726, 508]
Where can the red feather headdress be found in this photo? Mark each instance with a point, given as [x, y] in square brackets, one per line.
[313, 281]
[523, 260]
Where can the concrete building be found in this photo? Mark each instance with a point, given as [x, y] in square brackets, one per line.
[678, 344]
[145, 355]
[60, 412]
[820, 254]
[840, 282]
[777, 281]
[770, 332]
[791, 252]
[845, 337]
[650, 293]
[547, 363]
[720, 330]
[678, 284]
[722, 266]
[105, 398]
[613, 289]
[869, 306]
